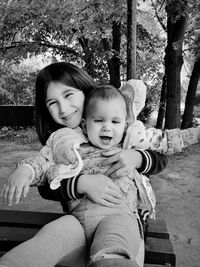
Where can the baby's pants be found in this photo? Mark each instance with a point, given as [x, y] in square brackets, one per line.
[111, 232]
[117, 234]
[62, 240]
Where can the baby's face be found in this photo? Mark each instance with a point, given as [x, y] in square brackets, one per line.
[106, 122]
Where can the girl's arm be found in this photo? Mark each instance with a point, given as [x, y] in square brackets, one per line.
[152, 162]
[38, 165]
[101, 189]
[145, 161]
[29, 172]
[17, 185]
[98, 187]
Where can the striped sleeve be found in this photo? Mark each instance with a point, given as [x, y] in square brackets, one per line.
[152, 162]
[69, 188]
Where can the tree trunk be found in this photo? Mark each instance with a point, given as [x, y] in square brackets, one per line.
[114, 62]
[131, 38]
[173, 62]
[162, 107]
[88, 56]
[190, 98]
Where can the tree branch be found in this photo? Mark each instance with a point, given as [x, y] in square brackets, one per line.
[158, 18]
[47, 44]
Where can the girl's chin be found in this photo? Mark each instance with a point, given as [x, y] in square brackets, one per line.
[73, 123]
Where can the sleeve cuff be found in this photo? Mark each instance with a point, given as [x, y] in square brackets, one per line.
[69, 188]
[146, 162]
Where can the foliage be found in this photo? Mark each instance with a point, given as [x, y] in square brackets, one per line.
[76, 31]
[16, 87]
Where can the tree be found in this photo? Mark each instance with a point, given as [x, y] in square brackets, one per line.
[190, 98]
[16, 88]
[114, 49]
[131, 38]
[177, 17]
[84, 31]
[161, 17]
[162, 105]
[193, 34]
[190, 55]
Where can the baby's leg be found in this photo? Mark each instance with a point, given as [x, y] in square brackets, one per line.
[62, 240]
[117, 236]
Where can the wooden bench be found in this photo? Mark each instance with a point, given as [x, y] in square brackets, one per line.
[18, 226]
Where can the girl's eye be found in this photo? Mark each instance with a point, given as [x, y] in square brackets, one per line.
[98, 120]
[51, 103]
[68, 95]
[115, 122]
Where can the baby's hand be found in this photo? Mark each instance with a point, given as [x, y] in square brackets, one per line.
[17, 185]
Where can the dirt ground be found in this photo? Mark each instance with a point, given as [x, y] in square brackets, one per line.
[177, 190]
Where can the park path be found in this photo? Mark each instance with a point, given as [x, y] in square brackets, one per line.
[178, 202]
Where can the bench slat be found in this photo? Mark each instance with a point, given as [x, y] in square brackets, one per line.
[26, 219]
[15, 234]
[17, 115]
[159, 251]
[157, 228]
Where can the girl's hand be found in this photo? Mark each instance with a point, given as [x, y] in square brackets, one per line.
[122, 162]
[17, 185]
[100, 189]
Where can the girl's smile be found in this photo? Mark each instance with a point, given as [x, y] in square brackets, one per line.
[65, 104]
[69, 116]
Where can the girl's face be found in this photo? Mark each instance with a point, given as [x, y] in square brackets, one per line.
[106, 122]
[65, 104]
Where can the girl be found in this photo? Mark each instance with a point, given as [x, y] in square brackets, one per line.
[60, 93]
[104, 125]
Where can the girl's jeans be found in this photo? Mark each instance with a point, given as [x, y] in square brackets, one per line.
[63, 239]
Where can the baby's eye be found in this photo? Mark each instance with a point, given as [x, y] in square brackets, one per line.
[115, 121]
[98, 120]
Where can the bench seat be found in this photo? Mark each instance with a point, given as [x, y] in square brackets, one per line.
[19, 226]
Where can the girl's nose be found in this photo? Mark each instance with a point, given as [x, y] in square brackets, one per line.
[62, 107]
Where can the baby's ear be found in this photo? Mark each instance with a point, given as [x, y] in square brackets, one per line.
[83, 124]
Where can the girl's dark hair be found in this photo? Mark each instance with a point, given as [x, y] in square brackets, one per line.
[101, 92]
[62, 72]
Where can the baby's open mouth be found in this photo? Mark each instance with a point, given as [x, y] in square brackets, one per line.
[106, 139]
